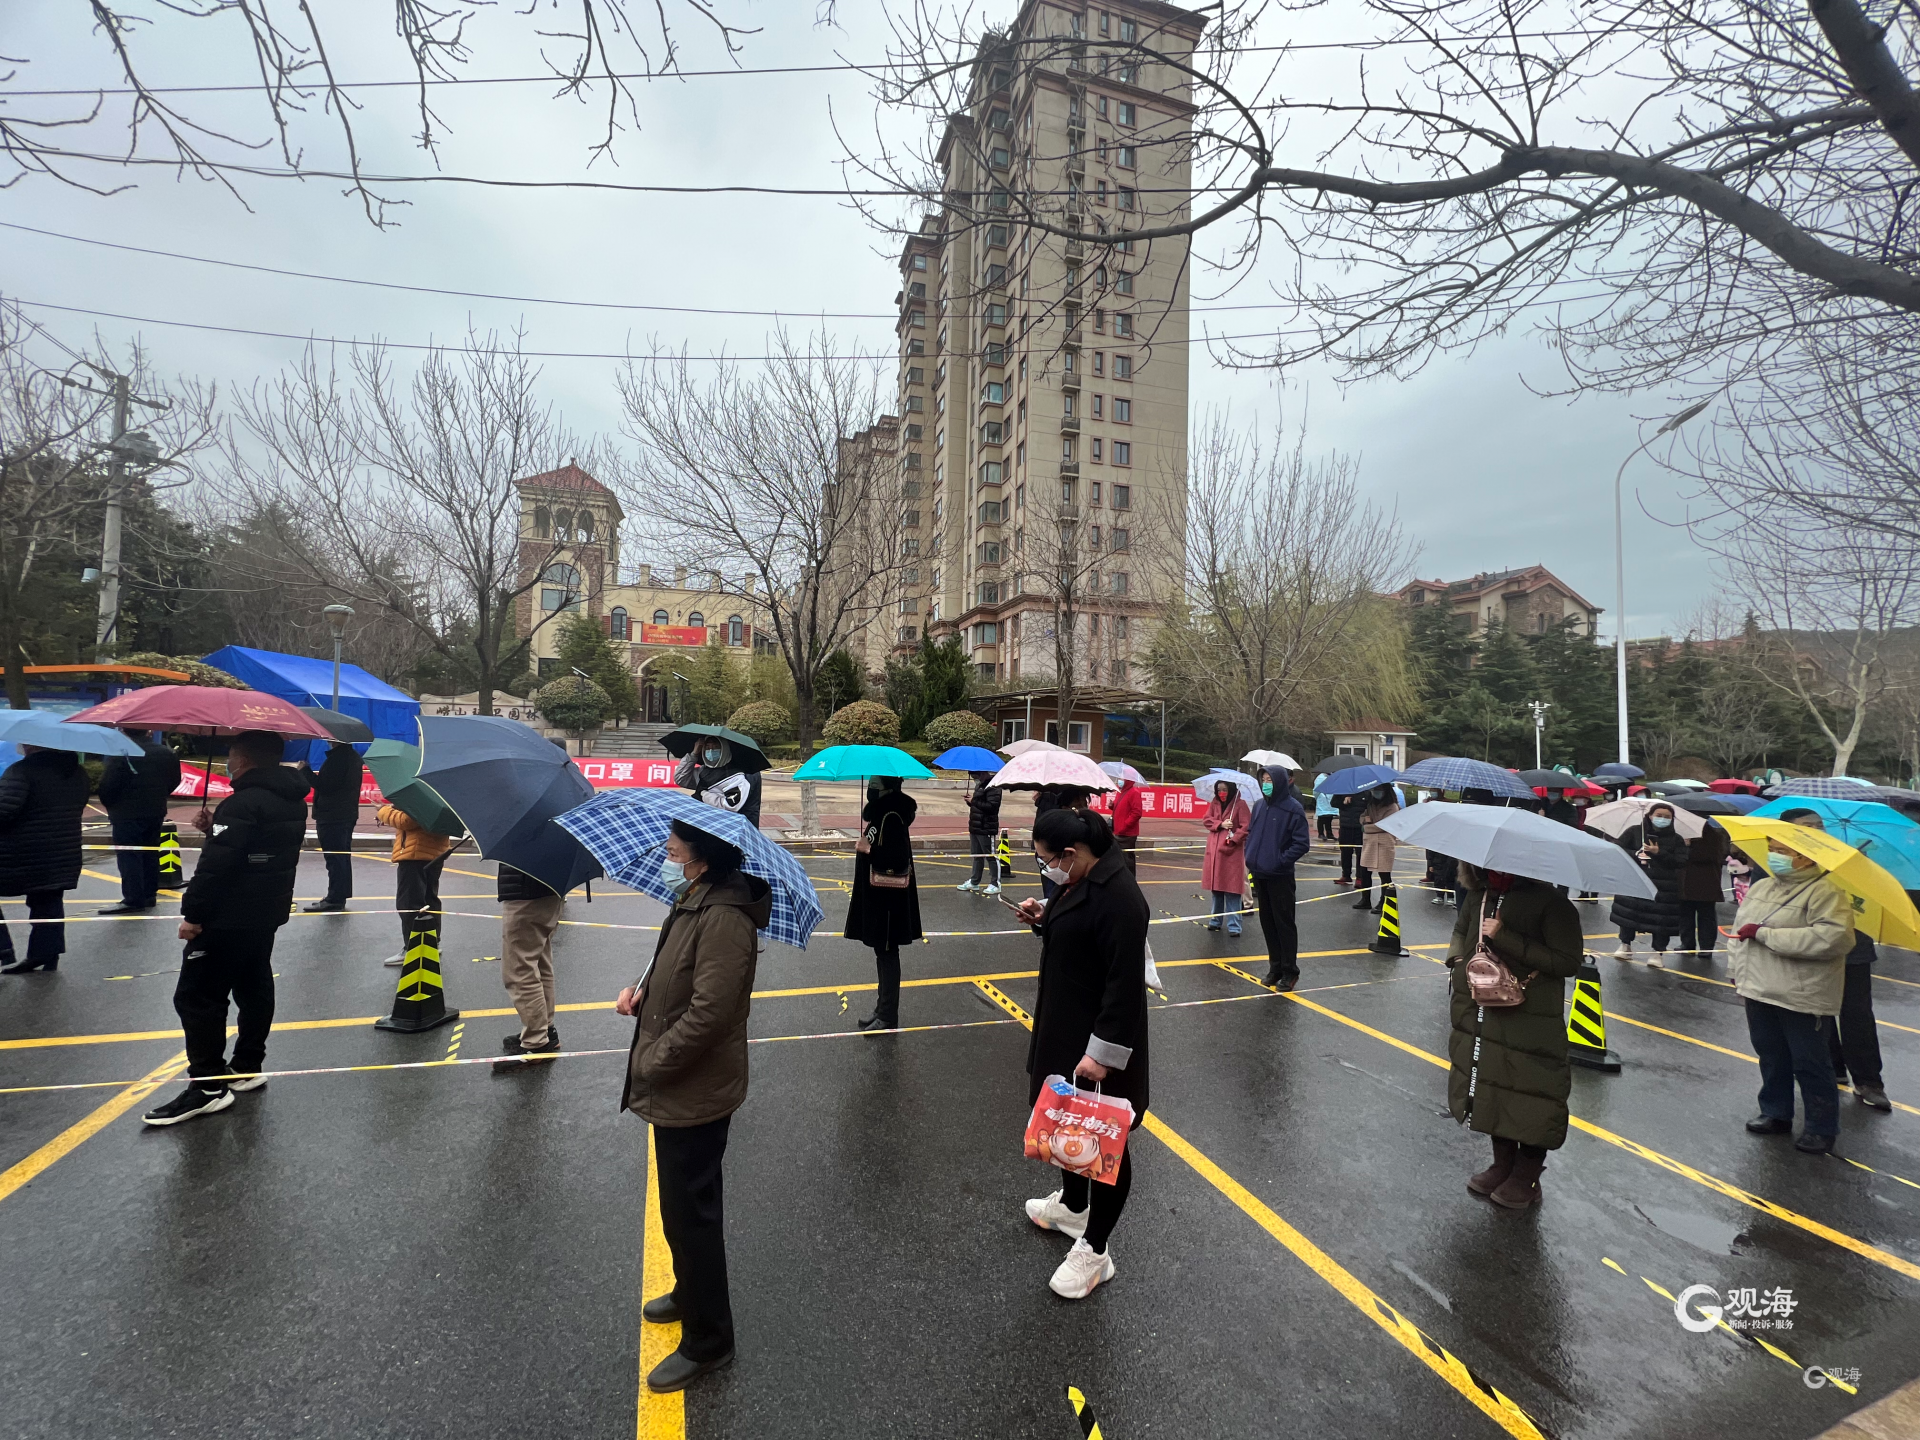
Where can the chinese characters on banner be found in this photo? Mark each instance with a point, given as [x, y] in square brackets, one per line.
[193, 785]
[1161, 802]
[608, 774]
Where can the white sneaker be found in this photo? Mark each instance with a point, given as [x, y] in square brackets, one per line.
[1656, 960]
[394, 961]
[1052, 1214]
[249, 1082]
[989, 889]
[964, 885]
[1625, 952]
[1081, 1272]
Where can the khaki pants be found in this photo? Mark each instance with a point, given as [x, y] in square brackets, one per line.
[526, 960]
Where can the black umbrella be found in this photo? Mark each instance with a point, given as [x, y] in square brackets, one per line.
[746, 750]
[1339, 762]
[1701, 804]
[340, 727]
[1551, 780]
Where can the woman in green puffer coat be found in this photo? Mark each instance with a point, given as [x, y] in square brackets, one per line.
[1510, 1074]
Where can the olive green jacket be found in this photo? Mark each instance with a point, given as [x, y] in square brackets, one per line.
[1520, 1081]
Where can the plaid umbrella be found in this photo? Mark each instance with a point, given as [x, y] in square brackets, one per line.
[1825, 787]
[626, 831]
[1451, 772]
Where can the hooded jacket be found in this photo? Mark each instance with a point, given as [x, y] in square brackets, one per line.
[41, 798]
[727, 785]
[244, 878]
[1278, 833]
[1666, 867]
[411, 839]
[1128, 806]
[1091, 1000]
[983, 808]
[688, 1062]
[1798, 959]
[137, 787]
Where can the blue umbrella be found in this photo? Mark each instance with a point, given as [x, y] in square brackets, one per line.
[1745, 804]
[626, 831]
[506, 781]
[1826, 787]
[1878, 831]
[1619, 770]
[33, 727]
[1354, 779]
[1451, 772]
[968, 757]
[861, 762]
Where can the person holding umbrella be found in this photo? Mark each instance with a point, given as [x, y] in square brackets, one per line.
[336, 808]
[983, 826]
[1350, 806]
[721, 778]
[240, 895]
[1657, 845]
[1276, 839]
[1224, 873]
[884, 911]
[134, 791]
[1376, 848]
[42, 796]
[1509, 1075]
[419, 855]
[687, 1075]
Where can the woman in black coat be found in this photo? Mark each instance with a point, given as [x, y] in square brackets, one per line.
[885, 917]
[41, 800]
[1090, 1018]
[1657, 845]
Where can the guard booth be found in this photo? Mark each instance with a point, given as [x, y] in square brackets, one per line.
[1035, 714]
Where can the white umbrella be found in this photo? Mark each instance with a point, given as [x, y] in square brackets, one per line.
[1120, 770]
[1616, 817]
[1248, 786]
[1518, 842]
[1021, 747]
[1051, 766]
[1270, 757]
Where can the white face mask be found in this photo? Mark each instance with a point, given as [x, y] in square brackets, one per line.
[1058, 874]
[675, 874]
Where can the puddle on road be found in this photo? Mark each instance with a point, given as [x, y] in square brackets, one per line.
[1702, 1230]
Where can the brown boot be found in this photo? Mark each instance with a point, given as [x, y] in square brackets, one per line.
[1488, 1180]
[1521, 1188]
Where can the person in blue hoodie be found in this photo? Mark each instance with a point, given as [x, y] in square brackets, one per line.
[1277, 836]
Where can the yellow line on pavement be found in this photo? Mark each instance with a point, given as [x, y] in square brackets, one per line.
[661, 1417]
[1496, 1406]
[1651, 1156]
[70, 1139]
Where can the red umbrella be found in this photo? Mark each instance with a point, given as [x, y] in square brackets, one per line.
[1733, 787]
[1584, 788]
[201, 710]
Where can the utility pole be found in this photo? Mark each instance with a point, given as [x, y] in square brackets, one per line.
[1539, 708]
[122, 446]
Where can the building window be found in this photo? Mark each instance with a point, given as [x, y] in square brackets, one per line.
[987, 594]
[1066, 449]
[1020, 453]
[736, 630]
[991, 433]
[986, 633]
[1122, 323]
[1093, 543]
[918, 321]
[542, 521]
[1079, 732]
[1122, 407]
[565, 591]
[909, 547]
[907, 632]
[1012, 730]
[990, 473]
[990, 512]
[994, 392]
[660, 617]
[1020, 496]
[1118, 581]
[1122, 455]
[988, 553]
[617, 623]
[920, 262]
[1118, 538]
[1123, 283]
[1099, 322]
[1126, 112]
[1066, 397]
[1123, 367]
[1096, 457]
[697, 620]
[1123, 497]
[1099, 192]
[1125, 157]
[1120, 627]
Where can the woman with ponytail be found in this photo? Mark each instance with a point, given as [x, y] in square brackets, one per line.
[1090, 1020]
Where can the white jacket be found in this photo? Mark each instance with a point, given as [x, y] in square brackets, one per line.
[1798, 959]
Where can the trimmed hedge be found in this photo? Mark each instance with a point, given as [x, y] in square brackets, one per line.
[764, 721]
[572, 704]
[864, 722]
[959, 727]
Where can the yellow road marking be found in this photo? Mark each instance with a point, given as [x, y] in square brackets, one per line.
[1763, 1343]
[1653, 1157]
[661, 1417]
[1496, 1406]
[70, 1139]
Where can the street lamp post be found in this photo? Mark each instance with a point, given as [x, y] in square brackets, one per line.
[1539, 708]
[1620, 573]
[337, 618]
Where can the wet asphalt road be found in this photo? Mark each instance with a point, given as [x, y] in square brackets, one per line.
[458, 1252]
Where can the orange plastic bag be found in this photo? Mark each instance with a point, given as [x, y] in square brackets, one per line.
[1081, 1131]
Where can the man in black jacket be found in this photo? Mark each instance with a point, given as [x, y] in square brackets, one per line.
[240, 895]
[135, 791]
[336, 807]
[983, 826]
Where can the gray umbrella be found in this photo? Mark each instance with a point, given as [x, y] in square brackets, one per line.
[1519, 842]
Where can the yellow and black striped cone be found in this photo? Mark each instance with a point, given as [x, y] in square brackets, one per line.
[1083, 1412]
[1003, 852]
[1387, 940]
[171, 872]
[419, 1003]
[1587, 1022]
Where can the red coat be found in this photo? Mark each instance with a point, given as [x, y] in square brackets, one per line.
[1226, 867]
[1127, 806]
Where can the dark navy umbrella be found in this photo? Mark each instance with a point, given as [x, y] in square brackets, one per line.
[1618, 770]
[506, 781]
[1354, 778]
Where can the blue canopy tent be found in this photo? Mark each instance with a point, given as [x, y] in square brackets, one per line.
[301, 680]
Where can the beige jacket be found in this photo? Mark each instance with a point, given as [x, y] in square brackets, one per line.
[1377, 845]
[1798, 959]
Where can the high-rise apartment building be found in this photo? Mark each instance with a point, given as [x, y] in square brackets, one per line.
[1043, 376]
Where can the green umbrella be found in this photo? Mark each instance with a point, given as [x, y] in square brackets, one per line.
[859, 762]
[747, 750]
[395, 764]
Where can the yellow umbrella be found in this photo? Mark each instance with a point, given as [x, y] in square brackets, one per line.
[1881, 908]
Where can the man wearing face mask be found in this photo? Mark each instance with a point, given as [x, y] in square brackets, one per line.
[720, 780]
[1788, 959]
[1277, 837]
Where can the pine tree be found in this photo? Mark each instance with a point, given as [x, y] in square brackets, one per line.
[582, 646]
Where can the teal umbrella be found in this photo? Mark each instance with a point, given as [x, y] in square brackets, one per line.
[859, 762]
[396, 766]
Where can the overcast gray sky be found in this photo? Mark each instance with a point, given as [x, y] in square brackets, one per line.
[1484, 473]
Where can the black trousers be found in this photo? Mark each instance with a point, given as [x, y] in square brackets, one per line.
[693, 1214]
[1129, 844]
[1793, 1046]
[416, 891]
[1700, 927]
[1856, 1040]
[139, 866]
[1349, 859]
[1107, 1200]
[1274, 896]
[336, 839]
[44, 942]
[1363, 880]
[886, 1004]
[1323, 826]
[984, 859]
[218, 965]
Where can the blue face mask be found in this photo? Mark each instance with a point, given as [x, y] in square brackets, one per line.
[1779, 864]
[1661, 822]
[675, 874]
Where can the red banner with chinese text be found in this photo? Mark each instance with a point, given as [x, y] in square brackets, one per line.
[1158, 802]
[693, 635]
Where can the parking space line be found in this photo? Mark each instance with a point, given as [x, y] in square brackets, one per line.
[70, 1139]
[1503, 1411]
[1651, 1156]
[660, 1417]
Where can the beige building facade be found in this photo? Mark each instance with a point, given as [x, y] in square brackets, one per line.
[1531, 601]
[1042, 425]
